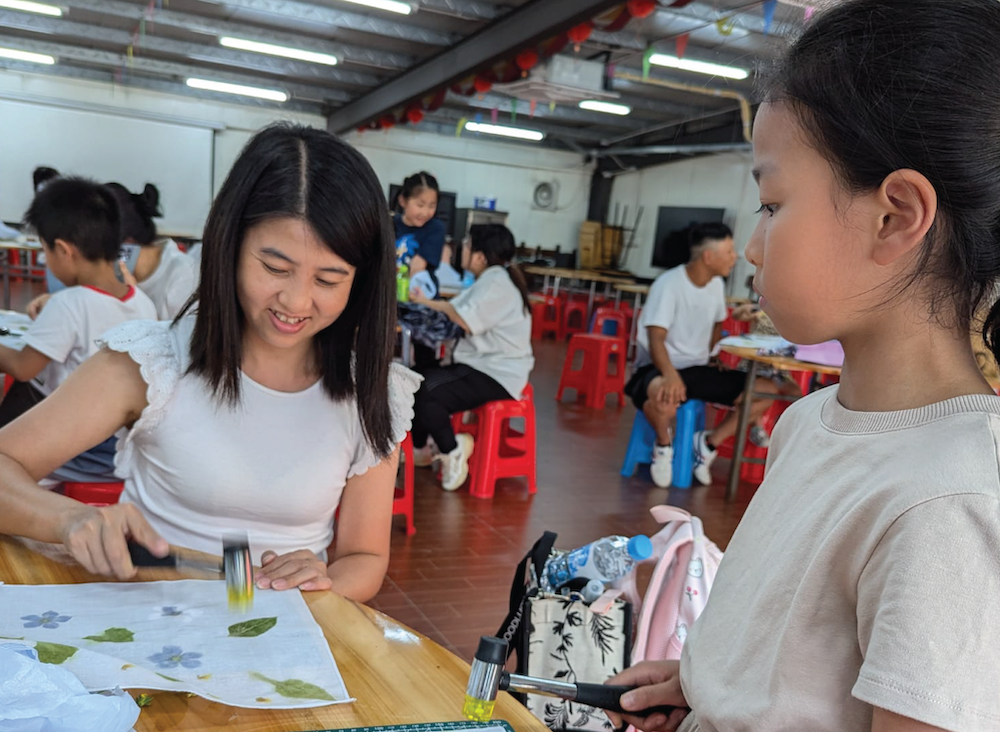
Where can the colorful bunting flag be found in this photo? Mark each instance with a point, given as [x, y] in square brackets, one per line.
[769, 6]
[682, 44]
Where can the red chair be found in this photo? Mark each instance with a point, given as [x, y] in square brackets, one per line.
[500, 450]
[595, 380]
[571, 324]
[546, 317]
[609, 315]
[94, 494]
[402, 502]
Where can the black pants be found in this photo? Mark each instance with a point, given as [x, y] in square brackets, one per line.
[21, 397]
[445, 391]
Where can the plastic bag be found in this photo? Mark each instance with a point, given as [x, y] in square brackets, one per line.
[41, 697]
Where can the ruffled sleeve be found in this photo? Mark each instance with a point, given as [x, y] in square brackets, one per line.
[156, 348]
[403, 384]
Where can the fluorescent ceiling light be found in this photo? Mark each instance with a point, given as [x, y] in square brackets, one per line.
[700, 67]
[35, 58]
[391, 5]
[272, 50]
[595, 105]
[247, 91]
[516, 132]
[30, 7]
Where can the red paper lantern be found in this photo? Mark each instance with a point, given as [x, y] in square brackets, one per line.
[482, 84]
[641, 8]
[526, 60]
[387, 122]
[414, 115]
[580, 33]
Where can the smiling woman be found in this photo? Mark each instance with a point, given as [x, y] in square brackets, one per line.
[266, 406]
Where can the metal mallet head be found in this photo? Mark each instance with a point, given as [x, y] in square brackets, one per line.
[236, 567]
[488, 677]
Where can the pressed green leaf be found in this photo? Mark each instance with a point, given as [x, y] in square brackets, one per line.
[12, 637]
[143, 700]
[53, 653]
[113, 635]
[296, 688]
[252, 628]
[170, 678]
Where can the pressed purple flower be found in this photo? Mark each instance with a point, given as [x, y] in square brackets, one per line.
[172, 610]
[50, 619]
[174, 656]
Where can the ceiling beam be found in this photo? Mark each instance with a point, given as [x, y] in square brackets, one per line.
[257, 62]
[212, 26]
[530, 23]
[463, 9]
[172, 69]
[324, 15]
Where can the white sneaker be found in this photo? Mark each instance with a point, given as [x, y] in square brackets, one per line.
[423, 456]
[759, 436]
[455, 465]
[703, 459]
[662, 467]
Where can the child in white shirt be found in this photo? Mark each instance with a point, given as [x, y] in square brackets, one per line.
[860, 589]
[79, 224]
[491, 362]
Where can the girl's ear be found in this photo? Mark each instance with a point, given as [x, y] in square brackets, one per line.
[907, 203]
[401, 201]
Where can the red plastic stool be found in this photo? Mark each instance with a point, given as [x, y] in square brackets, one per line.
[570, 324]
[609, 315]
[500, 450]
[8, 381]
[94, 494]
[402, 502]
[595, 380]
[546, 317]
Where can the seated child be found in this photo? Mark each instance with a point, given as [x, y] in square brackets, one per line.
[79, 225]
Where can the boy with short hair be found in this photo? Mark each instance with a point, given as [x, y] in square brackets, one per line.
[79, 225]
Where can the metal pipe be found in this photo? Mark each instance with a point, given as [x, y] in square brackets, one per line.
[745, 114]
[672, 149]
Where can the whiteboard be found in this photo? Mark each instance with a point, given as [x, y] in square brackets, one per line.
[177, 159]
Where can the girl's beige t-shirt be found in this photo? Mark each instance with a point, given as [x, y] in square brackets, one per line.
[865, 572]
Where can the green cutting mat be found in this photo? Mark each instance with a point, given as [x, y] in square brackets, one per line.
[429, 727]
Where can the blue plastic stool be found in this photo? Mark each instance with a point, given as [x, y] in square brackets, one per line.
[690, 419]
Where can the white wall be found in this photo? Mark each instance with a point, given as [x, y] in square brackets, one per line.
[472, 166]
[717, 181]
[105, 134]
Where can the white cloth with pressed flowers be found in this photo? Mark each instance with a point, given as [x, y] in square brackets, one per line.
[178, 636]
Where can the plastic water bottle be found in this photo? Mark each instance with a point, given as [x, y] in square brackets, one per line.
[605, 560]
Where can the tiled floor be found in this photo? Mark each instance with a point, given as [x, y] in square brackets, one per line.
[452, 579]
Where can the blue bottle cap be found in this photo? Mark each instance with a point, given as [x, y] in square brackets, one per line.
[640, 547]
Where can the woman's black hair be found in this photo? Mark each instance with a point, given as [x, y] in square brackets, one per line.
[886, 85]
[138, 211]
[498, 246]
[416, 183]
[307, 174]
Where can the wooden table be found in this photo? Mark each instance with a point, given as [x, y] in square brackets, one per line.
[397, 675]
[585, 275]
[23, 269]
[755, 361]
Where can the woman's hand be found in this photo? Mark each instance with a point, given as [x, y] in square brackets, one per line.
[302, 569]
[97, 538]
[36, 305]
[659, 685]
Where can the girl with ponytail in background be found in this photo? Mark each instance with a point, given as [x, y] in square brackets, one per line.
[491, 362]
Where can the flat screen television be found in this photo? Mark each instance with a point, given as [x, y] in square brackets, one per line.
[671, 247]
[445, 208]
